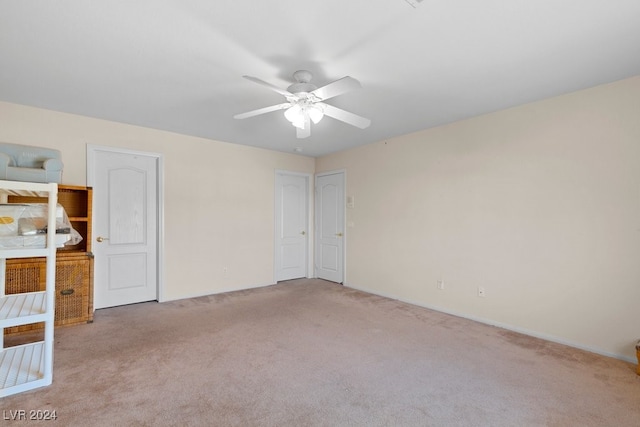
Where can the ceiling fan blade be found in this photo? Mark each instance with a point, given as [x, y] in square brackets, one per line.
[262, 111]
[345, 116]
[336, 88]
[269, 85]
[306, 130]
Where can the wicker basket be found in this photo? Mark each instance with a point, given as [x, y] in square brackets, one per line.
[72, 291]
[25, 275]
[74, 276]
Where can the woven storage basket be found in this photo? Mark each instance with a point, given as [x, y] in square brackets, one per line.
[73, 288]
[72, 291]
[25, 275]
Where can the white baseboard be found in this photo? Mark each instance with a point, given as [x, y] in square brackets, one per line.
[498, 324]
[218, 291]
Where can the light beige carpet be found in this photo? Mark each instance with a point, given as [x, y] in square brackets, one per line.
[313, 353]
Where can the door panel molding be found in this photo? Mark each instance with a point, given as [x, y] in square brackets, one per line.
[92, 151]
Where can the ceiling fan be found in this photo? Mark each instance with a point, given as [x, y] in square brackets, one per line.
[305, 102]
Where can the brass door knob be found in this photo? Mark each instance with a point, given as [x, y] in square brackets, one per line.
[101, 239]
[303, 232]
[339, 234]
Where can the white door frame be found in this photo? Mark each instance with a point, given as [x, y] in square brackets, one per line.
[91, 167]
[344, 225]
[310, 241]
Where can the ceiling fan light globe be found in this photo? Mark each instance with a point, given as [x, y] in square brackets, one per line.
[294, 113]
[315, 114]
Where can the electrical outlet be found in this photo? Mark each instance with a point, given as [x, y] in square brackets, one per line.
[480, 291]
[441, 284]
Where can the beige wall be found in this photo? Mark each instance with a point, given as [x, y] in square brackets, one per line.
[218, 196]
[538, 204]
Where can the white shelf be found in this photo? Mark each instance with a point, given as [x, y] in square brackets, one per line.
[32, 189]
[20, 309]
[22, 368]
[24, 253]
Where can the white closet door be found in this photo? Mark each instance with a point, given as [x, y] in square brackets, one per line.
[330, 227]
[291, 226]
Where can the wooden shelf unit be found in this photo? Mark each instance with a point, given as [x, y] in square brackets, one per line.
[74, 264]
[77, 202]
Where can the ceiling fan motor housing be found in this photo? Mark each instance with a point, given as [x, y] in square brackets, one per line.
[302, 85]
[297, 88]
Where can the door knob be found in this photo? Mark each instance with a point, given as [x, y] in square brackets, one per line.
[101, 239]
[339, 234]
[303, 232]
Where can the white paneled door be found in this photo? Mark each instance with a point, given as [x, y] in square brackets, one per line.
[292, 199]
[330, 227]
[125, 194]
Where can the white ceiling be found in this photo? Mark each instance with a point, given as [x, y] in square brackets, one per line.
[178, 65]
